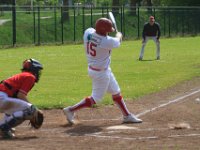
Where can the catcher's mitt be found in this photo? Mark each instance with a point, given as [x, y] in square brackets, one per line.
[37, 120]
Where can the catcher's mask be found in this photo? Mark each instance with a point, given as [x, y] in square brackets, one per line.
[103, 26]
[33, 66]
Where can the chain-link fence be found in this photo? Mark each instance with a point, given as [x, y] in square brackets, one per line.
[43, 25]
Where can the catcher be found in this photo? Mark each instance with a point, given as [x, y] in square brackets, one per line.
[14, 102]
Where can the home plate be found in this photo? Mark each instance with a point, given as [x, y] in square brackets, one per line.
[120, 127]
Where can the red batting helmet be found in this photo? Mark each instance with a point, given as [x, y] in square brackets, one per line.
[104, 26]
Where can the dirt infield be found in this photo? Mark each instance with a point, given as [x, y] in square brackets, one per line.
[171, 121]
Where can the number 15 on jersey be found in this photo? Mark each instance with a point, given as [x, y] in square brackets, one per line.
[91, 48]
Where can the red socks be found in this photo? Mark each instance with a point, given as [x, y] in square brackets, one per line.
[120, 103]
[87, 102]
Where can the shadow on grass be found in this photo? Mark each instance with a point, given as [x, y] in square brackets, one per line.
[149, 60]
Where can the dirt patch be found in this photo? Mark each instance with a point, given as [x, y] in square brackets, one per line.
[174, 126]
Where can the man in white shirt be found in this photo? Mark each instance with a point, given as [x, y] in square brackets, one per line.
[98, 48]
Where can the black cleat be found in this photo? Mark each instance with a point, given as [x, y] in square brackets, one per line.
[7, 134]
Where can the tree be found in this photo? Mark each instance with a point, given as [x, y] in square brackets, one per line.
[5, 2]
[180, 2]
[149, 5]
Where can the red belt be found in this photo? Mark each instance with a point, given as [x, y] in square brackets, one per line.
[96, 69]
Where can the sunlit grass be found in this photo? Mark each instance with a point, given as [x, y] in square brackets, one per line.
[65, 81]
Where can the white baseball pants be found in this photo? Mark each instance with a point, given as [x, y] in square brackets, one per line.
[102, 82]
[11, 106]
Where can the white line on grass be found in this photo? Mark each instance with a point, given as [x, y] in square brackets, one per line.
[165, 104]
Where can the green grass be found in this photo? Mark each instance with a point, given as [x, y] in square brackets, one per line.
[65, 81]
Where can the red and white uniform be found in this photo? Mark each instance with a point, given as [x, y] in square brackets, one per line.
[22, 82]
[98, 48]
[98, 52]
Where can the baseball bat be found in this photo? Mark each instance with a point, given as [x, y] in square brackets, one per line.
[112, 18]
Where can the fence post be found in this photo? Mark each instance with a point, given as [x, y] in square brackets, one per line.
[102, 11]
[83, 12]
[164, 22]
[91, 17]
[74, 24]
[189, 28]
[183, 23]
[34, 24]
[38, 25]
[138, 22]
[177, 21]
[61, 21]
[195, 23]
[107, 11]
[169, 23]
[121, 18]
[198, 20]
[14, 21]
[55, 23]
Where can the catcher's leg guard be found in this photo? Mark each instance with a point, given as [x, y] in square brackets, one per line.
[6, 116]
[6, 128]
[118, 99]
[17, 118]
[29, 112]
[6, 134]
[14, 120]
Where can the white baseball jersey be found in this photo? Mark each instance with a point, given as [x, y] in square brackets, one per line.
[98, 52]
[98, 48]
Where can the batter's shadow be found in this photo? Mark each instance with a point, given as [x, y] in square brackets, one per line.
[81, 130]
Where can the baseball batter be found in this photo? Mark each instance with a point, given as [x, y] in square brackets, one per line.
[98, 48]
[151, 30]
[13, 97]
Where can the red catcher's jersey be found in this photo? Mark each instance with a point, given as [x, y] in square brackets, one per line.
[22, 82]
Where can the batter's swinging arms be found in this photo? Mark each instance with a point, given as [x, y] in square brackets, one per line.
[98, 49]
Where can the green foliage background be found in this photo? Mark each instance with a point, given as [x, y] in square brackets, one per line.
[43, 25]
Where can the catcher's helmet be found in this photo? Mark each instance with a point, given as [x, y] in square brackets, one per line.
[104, 26]
[33, 66]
